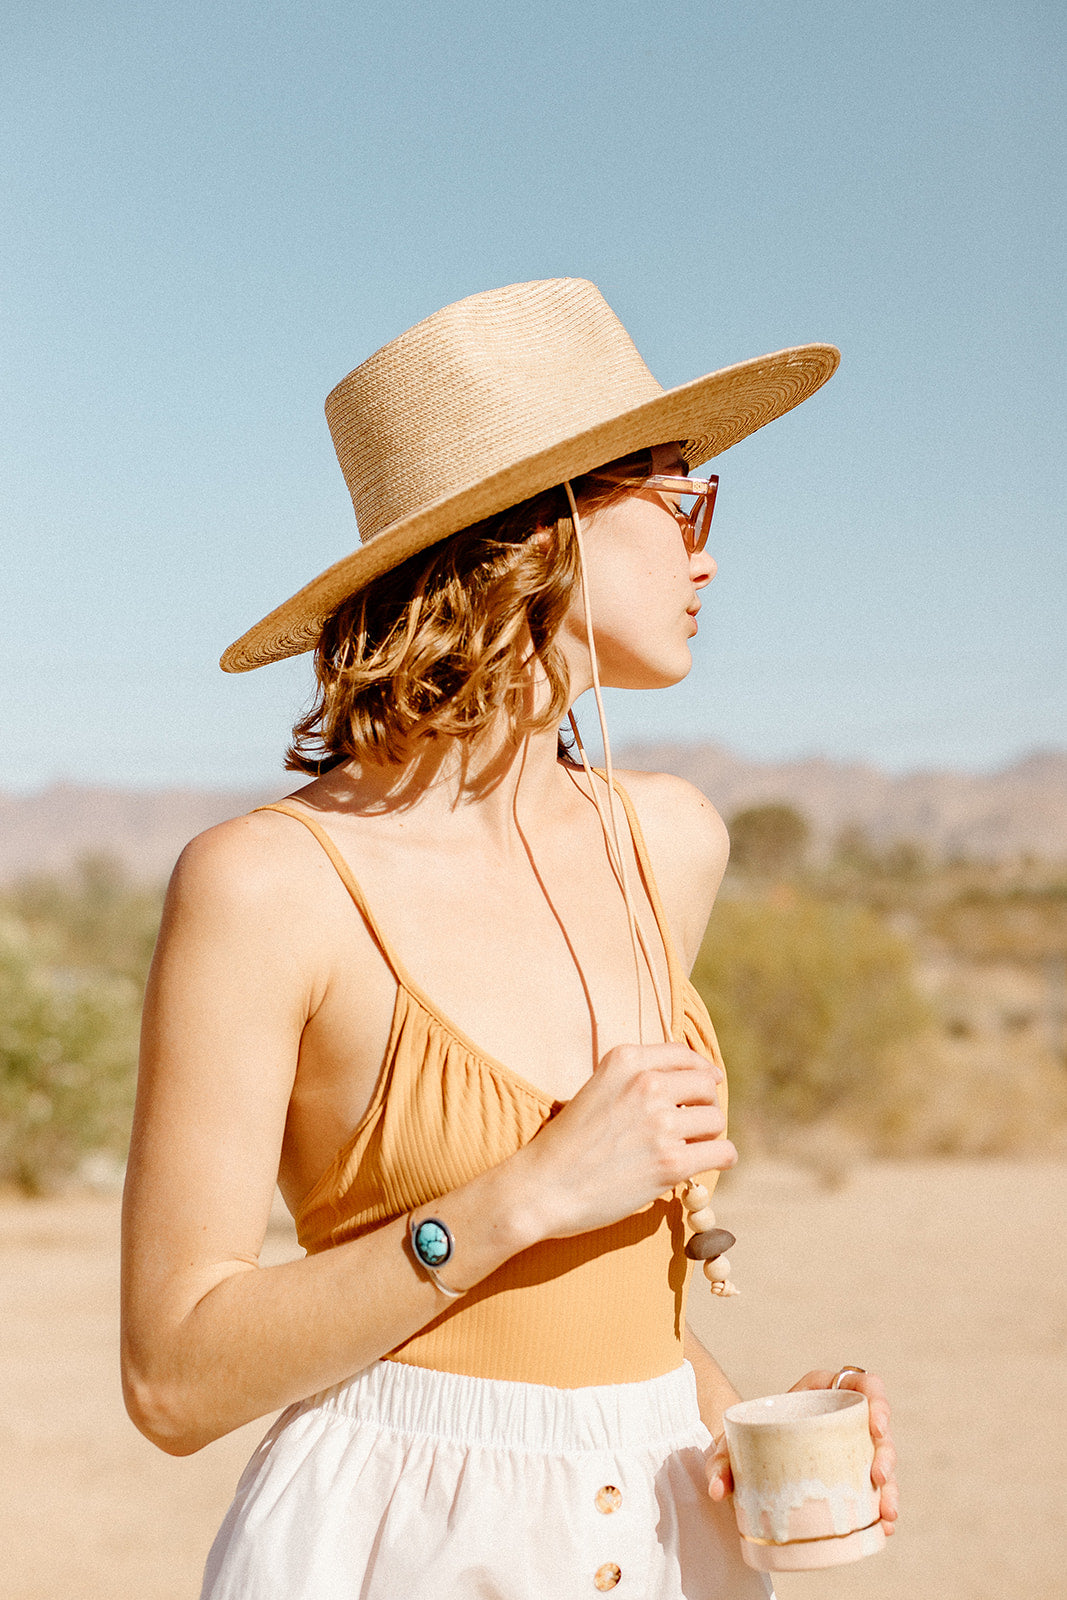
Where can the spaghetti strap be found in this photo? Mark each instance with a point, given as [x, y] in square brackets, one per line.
[347, 877]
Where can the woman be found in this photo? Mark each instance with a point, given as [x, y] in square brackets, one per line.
[489, 1385]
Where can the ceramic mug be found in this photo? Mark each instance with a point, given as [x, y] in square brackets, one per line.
[803, 1495]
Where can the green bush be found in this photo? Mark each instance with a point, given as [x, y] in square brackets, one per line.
[74, 954]
[96, 921]
[68, 1048]
[768, 841]
[811, 1001]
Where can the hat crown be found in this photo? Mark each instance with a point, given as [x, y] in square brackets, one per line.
[486, 382]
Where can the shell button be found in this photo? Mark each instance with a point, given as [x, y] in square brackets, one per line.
[608, 1498]
[607, 1576]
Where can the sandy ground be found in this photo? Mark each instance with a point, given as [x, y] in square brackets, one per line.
[951, 1279]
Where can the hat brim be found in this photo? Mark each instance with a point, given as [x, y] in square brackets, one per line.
[706, 416]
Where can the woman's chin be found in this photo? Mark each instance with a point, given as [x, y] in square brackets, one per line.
[646, 676]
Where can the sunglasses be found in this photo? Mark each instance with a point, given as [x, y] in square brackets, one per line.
[695, 504]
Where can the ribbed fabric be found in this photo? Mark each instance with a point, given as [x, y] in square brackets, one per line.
[606, 1307]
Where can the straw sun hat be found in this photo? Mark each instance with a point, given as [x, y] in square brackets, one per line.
[495, 399]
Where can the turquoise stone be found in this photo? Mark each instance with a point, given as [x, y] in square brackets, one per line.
[432, 1242]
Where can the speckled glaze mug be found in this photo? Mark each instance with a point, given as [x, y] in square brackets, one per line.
[803, 1495]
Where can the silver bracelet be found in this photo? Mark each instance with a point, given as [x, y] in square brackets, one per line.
[432, 1245]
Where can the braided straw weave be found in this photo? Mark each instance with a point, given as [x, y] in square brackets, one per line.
[494, 399]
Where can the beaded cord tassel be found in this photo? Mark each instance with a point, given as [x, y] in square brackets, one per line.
[707, 1243]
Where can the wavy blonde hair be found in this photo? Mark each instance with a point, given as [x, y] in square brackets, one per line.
[439, 645]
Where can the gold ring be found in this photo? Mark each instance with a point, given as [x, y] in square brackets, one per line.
[842, 1372]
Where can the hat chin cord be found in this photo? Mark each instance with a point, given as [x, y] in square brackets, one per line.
[609, 821]
[707, 1243]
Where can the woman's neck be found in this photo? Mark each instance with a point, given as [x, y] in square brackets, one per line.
[485, 782]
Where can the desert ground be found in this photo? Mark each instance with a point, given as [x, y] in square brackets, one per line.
[949, 1278]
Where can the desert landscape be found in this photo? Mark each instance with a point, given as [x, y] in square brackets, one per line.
[213, 212]
[948, 1277]
[892, 1001]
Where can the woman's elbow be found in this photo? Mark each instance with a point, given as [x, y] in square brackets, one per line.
[162, 1413]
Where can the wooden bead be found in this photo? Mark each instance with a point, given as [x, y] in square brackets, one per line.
[706, 1246]
[695, 1196]
[717, 1271]
[700, 1221]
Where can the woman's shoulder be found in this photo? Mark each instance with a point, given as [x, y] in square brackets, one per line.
[246, 854]
[677, 819]
[688, 847]
[257, 869]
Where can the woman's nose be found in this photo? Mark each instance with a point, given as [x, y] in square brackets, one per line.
[702, 567]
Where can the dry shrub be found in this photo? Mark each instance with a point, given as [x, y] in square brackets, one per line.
[941, 1099]
[96, 920]
[768, 841]
[833, 1053]
[809, 1000]
[73, 955]
[67, 1053]
[1022, 923]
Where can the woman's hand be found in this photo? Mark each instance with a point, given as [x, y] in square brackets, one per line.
[883, 1468]
[647, 1119]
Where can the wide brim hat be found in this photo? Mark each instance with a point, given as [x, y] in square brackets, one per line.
[493, 400]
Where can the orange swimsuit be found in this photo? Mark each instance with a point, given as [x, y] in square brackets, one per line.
[605, 1307]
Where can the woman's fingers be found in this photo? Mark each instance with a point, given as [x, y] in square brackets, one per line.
[820, 1378]
[885, 1464]
[647, 1120]
[710, 1155]
[885, 1455]
[883, 1467]
[717, 1466]
[661, 1057]
[698, 1121]
[688, 1086]
[667, 1072]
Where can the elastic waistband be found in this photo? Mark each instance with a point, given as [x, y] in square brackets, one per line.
[518, 1416]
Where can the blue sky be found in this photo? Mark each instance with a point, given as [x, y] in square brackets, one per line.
[214, 211]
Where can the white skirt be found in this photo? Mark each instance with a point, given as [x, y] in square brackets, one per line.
[407, 1484]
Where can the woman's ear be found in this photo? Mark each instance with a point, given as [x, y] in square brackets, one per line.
[542, 538]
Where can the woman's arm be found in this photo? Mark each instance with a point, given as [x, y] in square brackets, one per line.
[714, 1390]
[210, 1339]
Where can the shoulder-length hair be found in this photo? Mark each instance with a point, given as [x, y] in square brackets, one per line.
[440, 645]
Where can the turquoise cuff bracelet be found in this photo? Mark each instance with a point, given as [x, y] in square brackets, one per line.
[432, 1245]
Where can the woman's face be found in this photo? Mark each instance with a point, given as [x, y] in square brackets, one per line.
[644, 589]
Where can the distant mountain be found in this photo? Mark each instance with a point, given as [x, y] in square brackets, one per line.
[994, 816]
[144, 828]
